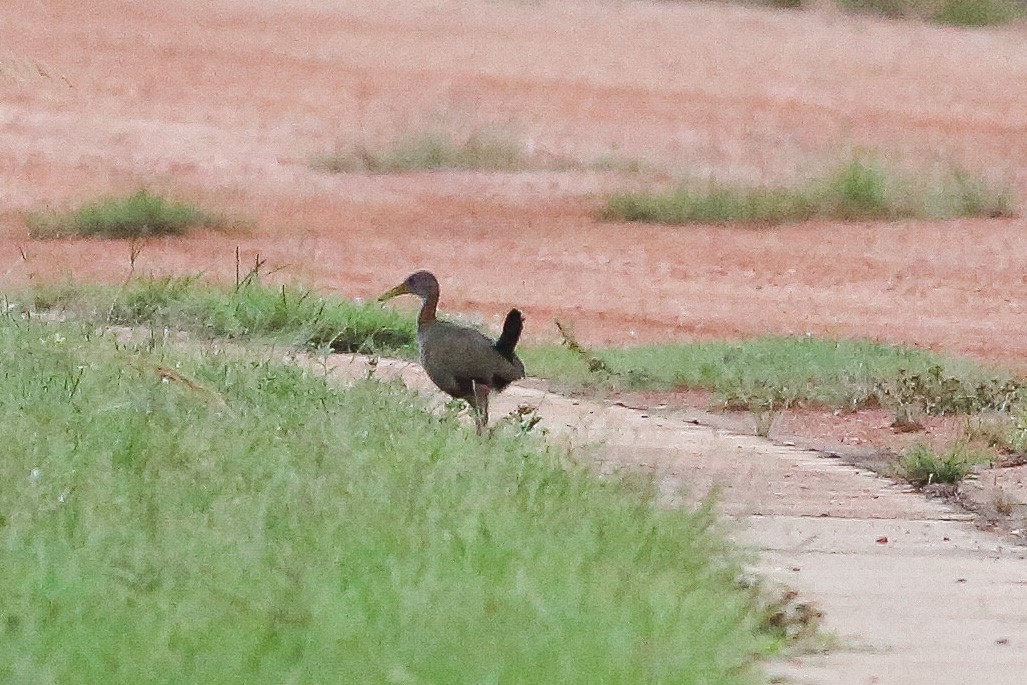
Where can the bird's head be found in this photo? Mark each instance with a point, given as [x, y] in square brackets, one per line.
[420, 283]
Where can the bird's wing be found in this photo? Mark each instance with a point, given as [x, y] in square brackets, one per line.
[466, 353]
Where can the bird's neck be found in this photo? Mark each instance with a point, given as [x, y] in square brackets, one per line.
[429, 306]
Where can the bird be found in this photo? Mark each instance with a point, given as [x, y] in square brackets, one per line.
[460, 360]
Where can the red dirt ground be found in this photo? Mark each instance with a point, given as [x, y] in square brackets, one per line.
[224, 102]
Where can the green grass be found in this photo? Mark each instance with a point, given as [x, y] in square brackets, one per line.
[979, 13]
[921, 466]
[198, 518]
[777, 372]
[251, 310]
[969, 13]
[140, 215]
[861, 190]
[480, 151]
[886, 8]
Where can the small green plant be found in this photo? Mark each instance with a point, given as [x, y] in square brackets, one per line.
[992, 429]
[617, 162]
[429, 152]
[796, 622]
[524, 419]
[55, 295]
[970, 13]
[780, 4]
[885, 8]
[975, 13]
[713, 205]
[932, 392]
[141, 215]
[764, 400]
[1018, 432]
[964, 195]
[861, 190]
[594, 364]
[921, 466]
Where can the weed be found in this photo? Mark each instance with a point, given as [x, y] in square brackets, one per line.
[141, 215]
[780, 4]
[969, 13]
[617, 162]
[763, 400]
[1003, 504]
[594, 364]
[1018, 433]
[992, 429]
[796, 623]
[862, 189]
[932, 392]
[524, 418]
[429, 152]
[922, 467]
[885, 8]
[56, 295]
[714, 205]
[975, 13]
[964, 195]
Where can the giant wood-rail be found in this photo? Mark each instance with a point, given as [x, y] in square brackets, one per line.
[459, 360]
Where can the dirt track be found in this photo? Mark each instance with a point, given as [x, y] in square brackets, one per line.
[224, 103]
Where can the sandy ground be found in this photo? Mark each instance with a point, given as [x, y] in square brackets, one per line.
[224, 103]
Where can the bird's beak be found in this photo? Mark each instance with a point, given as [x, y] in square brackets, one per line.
[400, 289]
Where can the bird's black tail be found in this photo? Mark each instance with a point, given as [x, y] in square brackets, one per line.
[512, 328]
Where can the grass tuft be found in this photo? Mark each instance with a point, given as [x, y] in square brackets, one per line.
[859, 190]
[893, 9]
[968, 13]
[141, 215]
[922, 467]
[979, 13]
[429, 152]
[964, 195]
[251, 310]
[192, 517]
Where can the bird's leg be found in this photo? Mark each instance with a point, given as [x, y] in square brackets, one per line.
[481, 405]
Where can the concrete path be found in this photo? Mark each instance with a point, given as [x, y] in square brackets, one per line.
[915, 593]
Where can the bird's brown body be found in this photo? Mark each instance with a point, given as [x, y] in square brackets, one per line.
[459, 360]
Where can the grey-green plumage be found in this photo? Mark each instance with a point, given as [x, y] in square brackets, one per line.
[459, 360]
